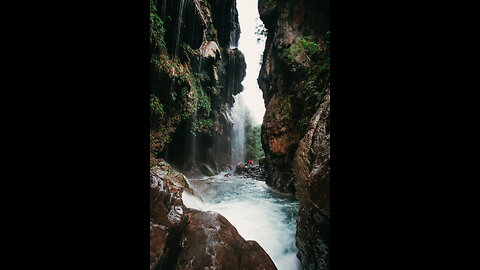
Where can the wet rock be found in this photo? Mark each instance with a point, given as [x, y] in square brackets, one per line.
[167, 217]
[256, 172]
[262, 161]
[210, 241]
[176, 181]
[209, 49]
[206, 170]
[240, 168]
[282, 83]
[184, 238]
[311, 167]
[297, 156]
[202, 40]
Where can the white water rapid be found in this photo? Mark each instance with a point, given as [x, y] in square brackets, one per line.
[257, 212]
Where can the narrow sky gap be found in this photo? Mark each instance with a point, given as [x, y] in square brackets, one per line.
[252, 95]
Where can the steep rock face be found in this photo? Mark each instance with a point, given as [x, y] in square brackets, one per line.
[284, 81]
[311, 167]
[184, 238]
[211, 241]
[195, 72]
[167, 216]
[294, 78]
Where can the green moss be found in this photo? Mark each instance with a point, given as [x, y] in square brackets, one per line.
[271, 3]
[157, 31]
[316, 66]
[156, 107]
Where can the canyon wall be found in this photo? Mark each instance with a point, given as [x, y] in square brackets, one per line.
[196, 70]
[294, 79]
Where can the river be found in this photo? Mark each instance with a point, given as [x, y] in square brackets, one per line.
[257, 212]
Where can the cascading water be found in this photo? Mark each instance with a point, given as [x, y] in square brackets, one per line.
[251, 98]
[257, 212]
[179, 25]
[238, 131]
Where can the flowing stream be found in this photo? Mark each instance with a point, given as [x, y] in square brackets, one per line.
[257, 212]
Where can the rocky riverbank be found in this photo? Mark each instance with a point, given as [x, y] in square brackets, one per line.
[184, 238]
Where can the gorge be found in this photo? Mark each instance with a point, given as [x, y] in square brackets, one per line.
[207, 209]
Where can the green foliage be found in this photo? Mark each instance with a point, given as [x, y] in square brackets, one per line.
[271, 3]
[303, 124]
[157, 31]
[156, 107]
[316, 66]
[177, 94]
[202, 125]
[303, 46]
[204, 106]
[286, 107]
[253, 139]
[261, 32]
[187, 49]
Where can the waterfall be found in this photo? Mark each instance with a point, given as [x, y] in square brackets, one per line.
[233, 38]
[238, 112]
[179, 25]
[238, 131]
[193, 22]
[251, 98]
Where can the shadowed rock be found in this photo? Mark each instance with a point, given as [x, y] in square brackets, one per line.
[240, 168]
[210, 241]
[184, 238]
[311, 167]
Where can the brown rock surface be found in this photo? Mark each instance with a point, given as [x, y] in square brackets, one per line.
[211, 242]
[311, 167]
[298, 155]
[283, 84]
[183, 238]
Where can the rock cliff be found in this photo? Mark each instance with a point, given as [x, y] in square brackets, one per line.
[311, 167]
[184, 238]
[294, 78]
[196, 70]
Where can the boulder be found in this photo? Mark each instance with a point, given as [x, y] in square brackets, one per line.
[262, 161]
[210, 241]
[184, 238]
[240, 168]
[206, 170]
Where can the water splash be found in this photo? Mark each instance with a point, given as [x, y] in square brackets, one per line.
[257, 212]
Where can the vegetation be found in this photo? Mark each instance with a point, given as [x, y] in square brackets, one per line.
[253, 139]
[271, 3]
[309, 58]
[261, 32]
[176, 93]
